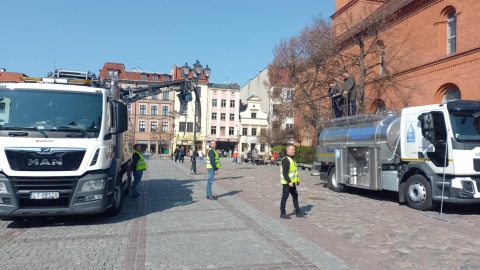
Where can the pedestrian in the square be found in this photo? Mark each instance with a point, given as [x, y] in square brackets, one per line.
[200, 155]
[349, 87]
[290, 180]
[235, 156]
[213, 164]
[183, 153]
[138, 166]
[177, 153]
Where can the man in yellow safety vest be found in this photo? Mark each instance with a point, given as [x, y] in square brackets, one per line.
[138, 166]
[213, 164]
[289, 179]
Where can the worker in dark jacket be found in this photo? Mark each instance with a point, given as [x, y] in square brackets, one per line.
[350, 89]
[138, 166]
[289, 180]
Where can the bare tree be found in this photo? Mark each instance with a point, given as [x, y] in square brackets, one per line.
[366, 47]
[163, 138]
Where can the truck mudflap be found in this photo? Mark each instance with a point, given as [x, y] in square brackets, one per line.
[54, 196]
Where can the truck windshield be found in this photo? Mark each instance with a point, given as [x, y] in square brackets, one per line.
[466, 125]
[51, 112]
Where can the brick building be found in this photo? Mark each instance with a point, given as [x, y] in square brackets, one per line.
[6, 76]
[151, 123]
[435, 43]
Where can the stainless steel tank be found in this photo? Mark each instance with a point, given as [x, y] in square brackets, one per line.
[361, 130]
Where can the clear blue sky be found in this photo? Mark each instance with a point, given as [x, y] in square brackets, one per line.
[235, 38]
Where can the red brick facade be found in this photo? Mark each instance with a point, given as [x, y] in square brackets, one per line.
[419, 35]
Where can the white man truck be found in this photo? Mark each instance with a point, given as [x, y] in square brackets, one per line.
[61, 147]
[427, 154]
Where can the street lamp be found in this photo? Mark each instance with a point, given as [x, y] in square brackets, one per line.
[196, 74]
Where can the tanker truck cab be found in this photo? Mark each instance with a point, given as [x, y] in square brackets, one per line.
[59, 147]
[441, 148]
[427, 154]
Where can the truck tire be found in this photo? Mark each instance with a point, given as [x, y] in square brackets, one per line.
[117, 199]
[332, 182]
[418, 193]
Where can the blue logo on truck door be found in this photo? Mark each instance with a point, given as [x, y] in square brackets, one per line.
[410, 133]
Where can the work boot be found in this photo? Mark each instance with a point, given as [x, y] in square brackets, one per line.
[285, 216]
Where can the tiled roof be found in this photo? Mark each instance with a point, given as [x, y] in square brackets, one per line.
[11, 76]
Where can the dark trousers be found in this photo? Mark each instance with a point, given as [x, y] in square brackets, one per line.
[286, 191]
[338, 112]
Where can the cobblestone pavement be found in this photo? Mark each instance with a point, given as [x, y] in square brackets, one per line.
[173, 226]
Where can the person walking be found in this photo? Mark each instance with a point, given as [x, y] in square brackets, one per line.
[235, 156]
[200, 155]
[138, 166]
[337, 99]
[274, 157]
[177, 153]
[350, 88]
[290, 180]
[213, 164]
[183, 153]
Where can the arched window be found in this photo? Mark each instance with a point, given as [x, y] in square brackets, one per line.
[451, 33]
[452, 94]
[379, 106]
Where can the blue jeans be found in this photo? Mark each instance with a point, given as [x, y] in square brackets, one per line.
[352, 107]
[137, 176]
[234, 160]
[200, 159]
[211, 175]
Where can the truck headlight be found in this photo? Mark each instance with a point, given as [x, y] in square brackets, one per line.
[92, 185]
[3, 188]
[468, 186]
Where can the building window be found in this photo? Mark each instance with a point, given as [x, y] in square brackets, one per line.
[232, 116]
[213, 130]
[164, 127]
[155, 78]
[214, 116]
[112, 74]
[144, 77]
[452, 94]
[224, 103]
[244, 147]
[451, 33]
[245, 131]
[222, 131]
[254, 115]
[231, 131]
[181, 127]
[141, 127]
[214, 102]
[289, 126]
[165, 110]
[232, 103]
[166, 79]
[189, 126]
[263, 132]
[166, 96]
[153, 126]
[262, 147]
[143, 109]
[222, 116]
[254, 132]
[155, 97]
[129, 107]
[154, 110]
[289, 94]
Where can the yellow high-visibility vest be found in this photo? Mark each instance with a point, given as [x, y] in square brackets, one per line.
[217, 159]
[141, 164]
[292, 172]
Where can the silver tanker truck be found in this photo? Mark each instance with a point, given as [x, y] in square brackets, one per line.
[427, 154]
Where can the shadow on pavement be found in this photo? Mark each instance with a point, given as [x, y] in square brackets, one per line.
[157, 195]
[231, 193]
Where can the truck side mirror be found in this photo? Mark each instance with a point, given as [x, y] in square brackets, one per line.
[121, 117]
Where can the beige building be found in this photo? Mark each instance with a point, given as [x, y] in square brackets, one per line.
[253, 124]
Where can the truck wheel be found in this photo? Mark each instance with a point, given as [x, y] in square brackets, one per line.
[117, 199]
[418, 193]
[332, 182]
